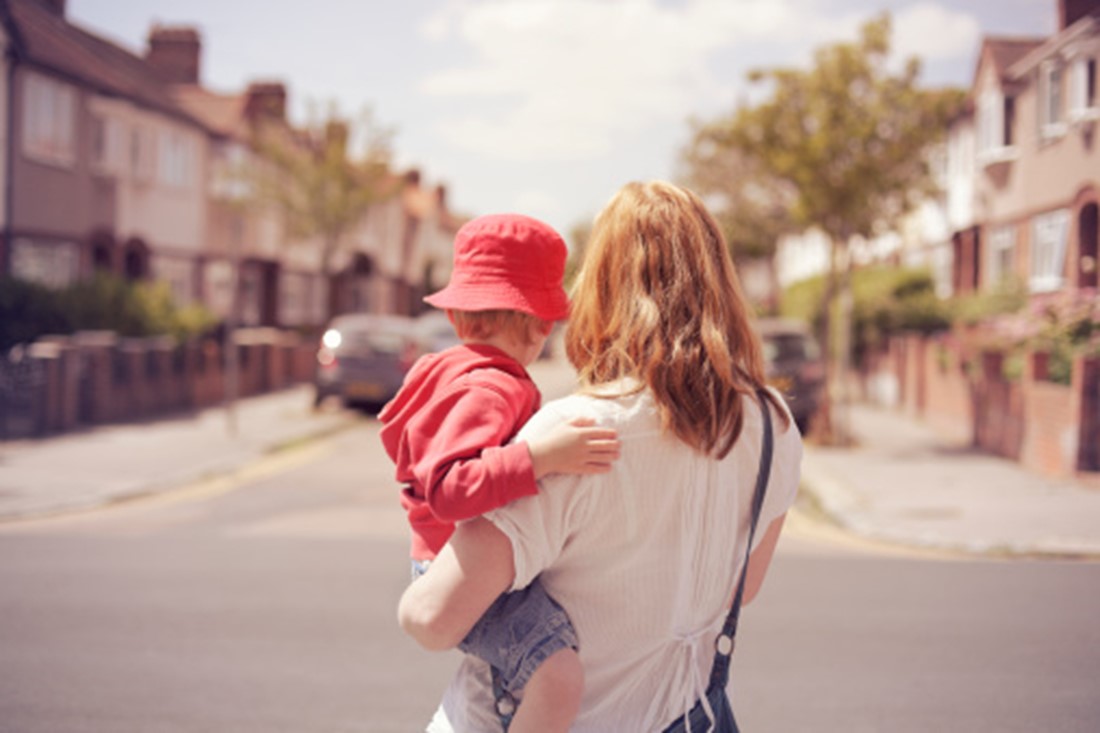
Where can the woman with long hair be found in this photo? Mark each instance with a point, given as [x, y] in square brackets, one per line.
[645, 559]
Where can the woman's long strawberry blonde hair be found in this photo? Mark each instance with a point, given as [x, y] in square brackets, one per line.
[657, 299]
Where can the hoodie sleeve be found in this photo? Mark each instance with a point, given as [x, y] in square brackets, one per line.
[456, 449]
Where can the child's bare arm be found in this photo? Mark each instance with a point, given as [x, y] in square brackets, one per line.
[576, 446]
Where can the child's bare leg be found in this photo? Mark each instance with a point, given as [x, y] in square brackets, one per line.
[552, 696]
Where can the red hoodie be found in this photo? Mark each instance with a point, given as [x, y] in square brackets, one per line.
[447, 431]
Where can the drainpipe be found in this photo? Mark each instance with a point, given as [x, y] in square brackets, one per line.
[9, 167]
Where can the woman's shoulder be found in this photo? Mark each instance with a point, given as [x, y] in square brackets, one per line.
[617, 410]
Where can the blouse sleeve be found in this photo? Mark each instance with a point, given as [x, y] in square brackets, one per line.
[786, 472]
[540, 525]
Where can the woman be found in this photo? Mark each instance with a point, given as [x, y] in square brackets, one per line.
[645, 558]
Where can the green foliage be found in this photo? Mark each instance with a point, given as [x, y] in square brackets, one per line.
[27, 311]
[104, 302]
[317, 178]
[847, 136]
[1061, 325]
[885, 301]
[752, 206]
[972, 308]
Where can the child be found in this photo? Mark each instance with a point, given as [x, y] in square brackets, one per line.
[448, 432]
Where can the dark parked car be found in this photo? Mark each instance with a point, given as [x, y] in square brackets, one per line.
[794, 364]
[363, 358]
[435, 331]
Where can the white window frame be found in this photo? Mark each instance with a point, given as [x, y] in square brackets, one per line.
[108, 155]
[218, 286]
[1049, 240]
[992, 144]
[49, 120]
[1052, 98]
[1083, 92]
[179, 276]
[1001, 254]
[175, 159]
[142, 153]
[54, 264]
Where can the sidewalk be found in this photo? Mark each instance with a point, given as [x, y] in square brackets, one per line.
[904, 483]
[90, 468]
[908, 485]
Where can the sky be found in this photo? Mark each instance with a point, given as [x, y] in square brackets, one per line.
[543, 107]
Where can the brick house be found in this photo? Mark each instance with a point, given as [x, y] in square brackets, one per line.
[128, 164]
[386, 258]
[1037, 113]
[104, 170]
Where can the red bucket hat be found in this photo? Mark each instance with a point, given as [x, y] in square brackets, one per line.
[507, 262]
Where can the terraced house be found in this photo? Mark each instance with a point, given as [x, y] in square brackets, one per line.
[103, 171]
[125, 163]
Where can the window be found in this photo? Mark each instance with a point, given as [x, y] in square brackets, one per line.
[142, 153]
[1082, 90]
[49, 120]
[1050, 99]
[1001, 254]
[175, 160]
[108, 144]
[180, 277]
[218, 287]
[53, 264]
[1048, 250]
[996, 120]
[293, 298]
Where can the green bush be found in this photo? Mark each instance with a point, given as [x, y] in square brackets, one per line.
[885, 301]
[27, 311]
[104, 302]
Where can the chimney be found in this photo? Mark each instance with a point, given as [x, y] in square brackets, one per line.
[174, 54]
[1071, 11]
[266, 100]
[57, 7]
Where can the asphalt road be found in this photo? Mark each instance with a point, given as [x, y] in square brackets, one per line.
[268, 605]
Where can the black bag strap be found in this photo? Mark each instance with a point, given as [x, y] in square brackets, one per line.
[719, 673]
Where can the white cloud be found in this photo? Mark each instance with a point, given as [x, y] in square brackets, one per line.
[538, 204]
[934, 32]
[568, 79]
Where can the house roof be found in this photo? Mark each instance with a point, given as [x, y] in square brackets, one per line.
[1087, 26]
[223, 114]
[49, 41]
[1006, 51]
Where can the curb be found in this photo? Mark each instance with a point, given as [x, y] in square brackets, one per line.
[224, 469]
[835, 503]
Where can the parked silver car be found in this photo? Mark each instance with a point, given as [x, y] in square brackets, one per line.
[363, 358]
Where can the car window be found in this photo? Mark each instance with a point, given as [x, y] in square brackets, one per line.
[386, 342]
[789, 346]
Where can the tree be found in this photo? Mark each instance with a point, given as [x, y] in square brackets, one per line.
[848, 137]
[752, 206]
[320, 182]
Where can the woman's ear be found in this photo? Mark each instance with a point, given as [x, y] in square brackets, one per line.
[545, 327]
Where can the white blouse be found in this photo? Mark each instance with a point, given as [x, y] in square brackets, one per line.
[644, 559]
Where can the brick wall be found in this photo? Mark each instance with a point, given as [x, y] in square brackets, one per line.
[1049, 428]
[92, 378]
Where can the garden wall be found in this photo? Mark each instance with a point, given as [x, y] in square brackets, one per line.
[1009, 410]
[95, 377]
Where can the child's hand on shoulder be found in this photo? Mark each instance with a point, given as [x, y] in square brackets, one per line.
[576, 446]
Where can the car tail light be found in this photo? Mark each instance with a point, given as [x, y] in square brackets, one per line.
[813, 372]
[326, 358]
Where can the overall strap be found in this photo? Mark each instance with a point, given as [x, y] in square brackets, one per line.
[719, 673]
